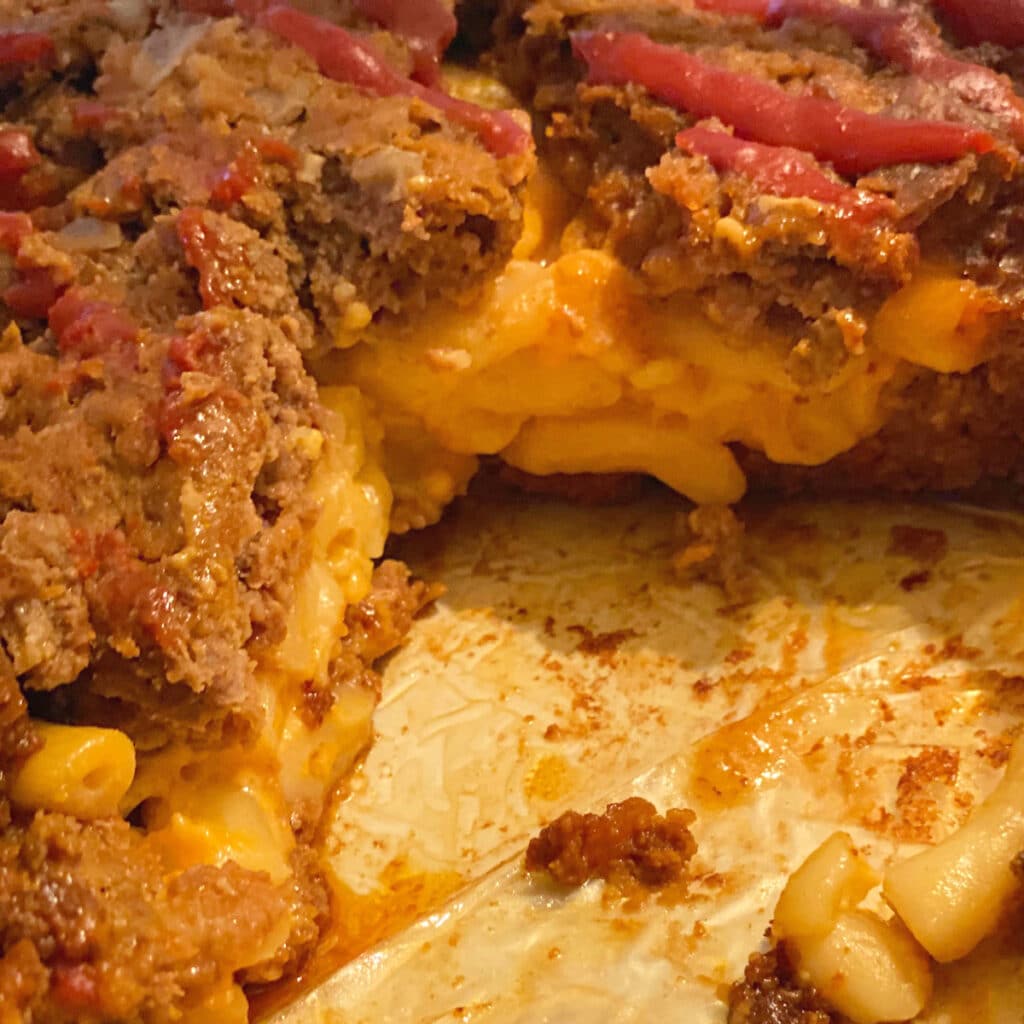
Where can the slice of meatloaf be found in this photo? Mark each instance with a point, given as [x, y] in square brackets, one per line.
[93, 926]
[792, 166]
[189, 201]
[379, 203]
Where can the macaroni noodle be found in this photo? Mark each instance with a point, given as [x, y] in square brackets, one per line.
[80, 770]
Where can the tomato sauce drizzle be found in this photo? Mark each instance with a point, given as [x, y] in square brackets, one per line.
[427, 27]
[900, 38]
[346, 57]
[781, 171]
[853, 141]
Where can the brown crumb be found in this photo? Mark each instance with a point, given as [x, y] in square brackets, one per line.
[917, 542]
[630, 841]
[770, 993]
[602, 645]
[915, 580]
[925, 777]
[713, 550]
[1017, 866]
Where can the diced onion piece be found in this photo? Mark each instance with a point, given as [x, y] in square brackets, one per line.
[868, 969]
[88, 234]
[953, 895]
[162, 52]
[834, 878]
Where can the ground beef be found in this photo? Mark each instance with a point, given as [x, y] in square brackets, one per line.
[630, 841]
[773, 271]
[713, 550]
[770, 994]
[90, 905]
[373, 629]
[17, 739]
[941, 433]
[750, 261]
[175, 246]
[376, 205]
[162, 458]
[91, 926]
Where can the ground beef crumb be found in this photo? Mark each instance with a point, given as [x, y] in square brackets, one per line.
[713, 550]
[373, 629]
[93, 928]
[630, 841]
[771, 994]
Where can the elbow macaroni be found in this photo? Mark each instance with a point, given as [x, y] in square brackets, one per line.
[869, 969]
[355, 501]
[952, 895]
[80, 770]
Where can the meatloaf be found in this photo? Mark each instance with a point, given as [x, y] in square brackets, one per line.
[780, 243]
[807, 248]
[263, 264]
[194, 197]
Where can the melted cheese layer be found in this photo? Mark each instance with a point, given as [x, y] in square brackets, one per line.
[237, 803]
[570, 366]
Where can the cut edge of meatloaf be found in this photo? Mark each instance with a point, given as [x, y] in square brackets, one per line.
[381, 204]
[942, 433]
[97, 923]
[663, 212]
[785, 266]
[160, 443]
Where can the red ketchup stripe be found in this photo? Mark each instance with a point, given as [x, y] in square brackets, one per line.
[427, 26]
[979, 21]
[854, 142]
[14, 229]
[343, 57]
[18, 154]
[32, 294]
[751, 8]
[781, 171]
[899, 38]
[23, 49]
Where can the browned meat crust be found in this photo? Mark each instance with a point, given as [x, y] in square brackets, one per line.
[91, 928]
[629, 842]
[189, 239]
[90, 922]
[613, 148]
[770, 994]
[818, 286]
[377, 205]
[163, 447]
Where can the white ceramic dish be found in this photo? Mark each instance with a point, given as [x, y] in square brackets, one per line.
[862, 689]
